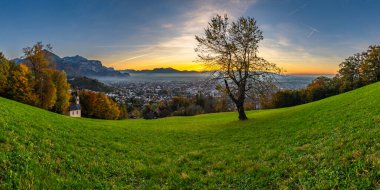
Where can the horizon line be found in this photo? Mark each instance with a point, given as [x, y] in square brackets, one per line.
[292, 73]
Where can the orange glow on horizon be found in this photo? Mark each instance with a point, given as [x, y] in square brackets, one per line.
[287, 68]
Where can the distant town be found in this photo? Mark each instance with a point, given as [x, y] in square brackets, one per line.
[150, 87]
[155, 91]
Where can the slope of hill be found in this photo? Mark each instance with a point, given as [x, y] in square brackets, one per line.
[333, 143]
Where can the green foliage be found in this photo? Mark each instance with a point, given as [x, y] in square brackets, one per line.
[328, 144]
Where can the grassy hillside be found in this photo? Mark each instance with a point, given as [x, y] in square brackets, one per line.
[333, 143]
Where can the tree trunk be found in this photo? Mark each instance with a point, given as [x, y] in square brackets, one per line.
[240, 108]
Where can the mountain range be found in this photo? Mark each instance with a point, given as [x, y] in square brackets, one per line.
[157, 70]
[76, 66]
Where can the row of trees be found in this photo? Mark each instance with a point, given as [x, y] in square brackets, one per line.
[35, 81]
[319, 88]
[179, 106]
[356, 71]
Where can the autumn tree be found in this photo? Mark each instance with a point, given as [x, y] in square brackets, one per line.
[40, 67]
[47, 92]
[231, 49]
[5, 67]
[321, 87]
[37, 60]
[19, 85]
[98, 105]
[49, 84]
[106, 108]
[88, 101]
[63, 91]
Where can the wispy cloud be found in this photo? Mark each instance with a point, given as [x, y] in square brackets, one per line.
[167, 25]
[123, 46]
[132, 58]
[312, 30]
[298, 9]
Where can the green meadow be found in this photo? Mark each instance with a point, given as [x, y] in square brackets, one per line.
[332, 143]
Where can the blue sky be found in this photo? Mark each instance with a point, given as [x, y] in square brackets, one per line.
[302, 36]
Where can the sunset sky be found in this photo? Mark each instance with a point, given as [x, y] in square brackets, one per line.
[300, 36]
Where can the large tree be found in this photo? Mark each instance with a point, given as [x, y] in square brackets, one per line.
[41, 66]
[230, 48]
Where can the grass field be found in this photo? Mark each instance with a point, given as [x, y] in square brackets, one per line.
[333, 143]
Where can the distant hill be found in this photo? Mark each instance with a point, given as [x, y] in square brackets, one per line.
[158, 70]
[89, 84]
[79, 66]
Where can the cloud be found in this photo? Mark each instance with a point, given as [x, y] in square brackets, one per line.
[123, 46]
[195, 20]
[180, 43]
[132, 58]
[298, 9]
[167, 25]
[312, 30]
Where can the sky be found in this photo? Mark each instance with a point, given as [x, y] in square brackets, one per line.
[300, 36]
